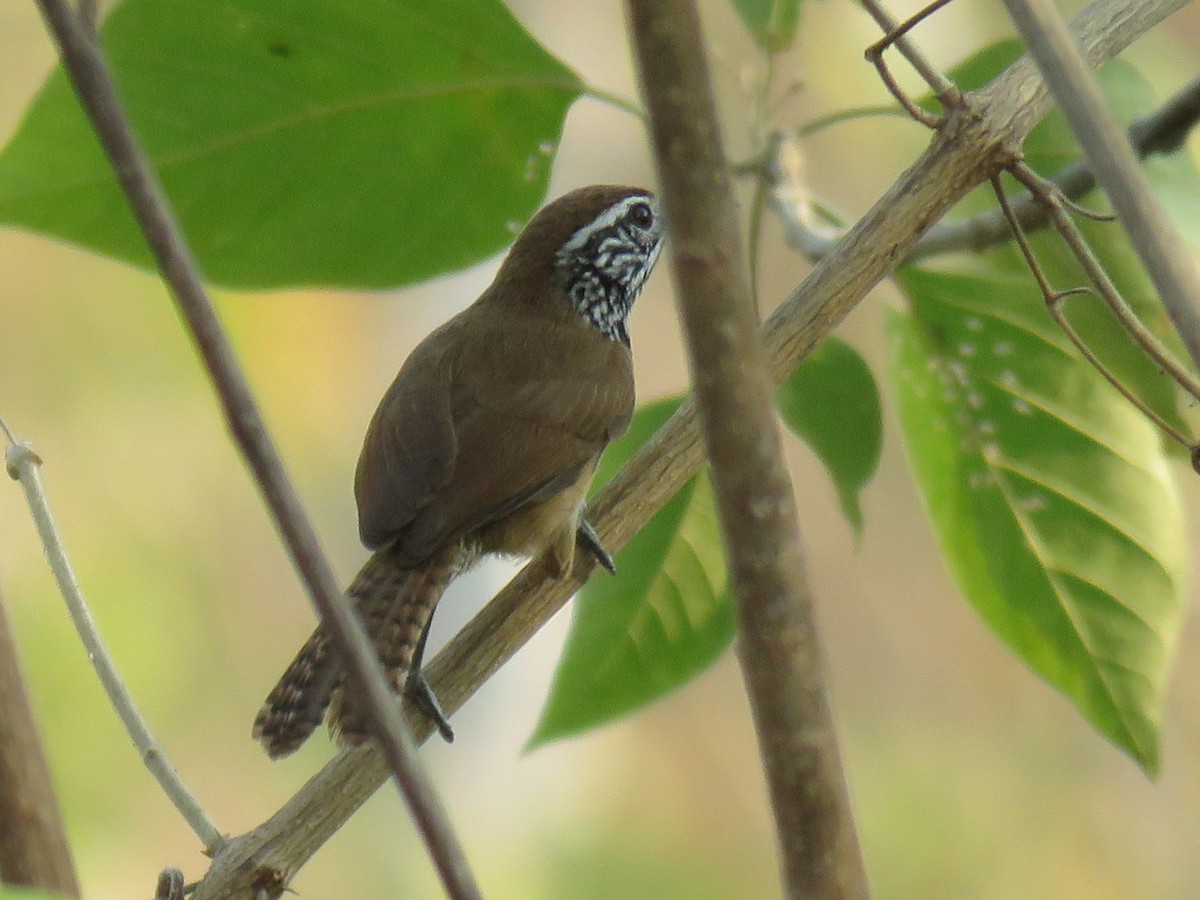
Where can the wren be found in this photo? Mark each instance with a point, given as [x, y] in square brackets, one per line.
[486, 442]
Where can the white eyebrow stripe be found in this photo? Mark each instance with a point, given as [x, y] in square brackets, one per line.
[608, 219]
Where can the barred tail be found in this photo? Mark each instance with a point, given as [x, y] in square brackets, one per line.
[297, 704]
[396, 627]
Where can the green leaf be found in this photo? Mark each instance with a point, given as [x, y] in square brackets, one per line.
[831, 403]
[1049, 493]
[663, 618]
[985, 65]
[772, 23]
[314, 142]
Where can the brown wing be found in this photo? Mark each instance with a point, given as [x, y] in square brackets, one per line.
[409, 452]
[522, 405]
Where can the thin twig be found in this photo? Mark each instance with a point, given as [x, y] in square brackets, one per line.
[788, 195]
[1160, 132]
[842, 116]
[1054, 303]
[1170, 264]
[1153, 347]
[23, 465]
[89, 74]
[897, 35]
[778, 645]
[34, 852]
[958, 160]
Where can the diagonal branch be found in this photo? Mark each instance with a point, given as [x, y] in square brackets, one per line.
[88, 71]
[971, 146]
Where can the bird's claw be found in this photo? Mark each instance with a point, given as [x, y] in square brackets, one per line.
[591, 542]
[422, 694]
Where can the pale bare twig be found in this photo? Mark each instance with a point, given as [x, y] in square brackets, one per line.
[23, 465]
[88, 71]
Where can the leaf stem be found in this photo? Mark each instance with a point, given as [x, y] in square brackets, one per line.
[615, 100]
[847, 115]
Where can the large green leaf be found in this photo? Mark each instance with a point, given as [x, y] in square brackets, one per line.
[1049, 494]
[317, 142]
[664, 617]
[831, 402]
[771, 22]
[1048, 491]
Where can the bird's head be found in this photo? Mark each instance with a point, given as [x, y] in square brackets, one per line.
[597, 245]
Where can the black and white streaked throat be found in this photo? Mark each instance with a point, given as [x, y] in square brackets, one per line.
[605, 263]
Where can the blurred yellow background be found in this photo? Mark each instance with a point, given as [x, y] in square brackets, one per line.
[970, 778]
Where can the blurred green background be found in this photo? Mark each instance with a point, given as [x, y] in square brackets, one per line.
[970, 778]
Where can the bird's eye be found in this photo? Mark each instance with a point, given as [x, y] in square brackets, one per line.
[641, 215]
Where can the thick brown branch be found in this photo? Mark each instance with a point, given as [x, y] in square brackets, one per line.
[33, 846]
[961, 157]
[88, 71]
[778, 645]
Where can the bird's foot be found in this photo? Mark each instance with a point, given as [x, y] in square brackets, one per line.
[591, 542]
[422, 694]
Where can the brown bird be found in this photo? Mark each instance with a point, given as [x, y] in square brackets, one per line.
[486, 442]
